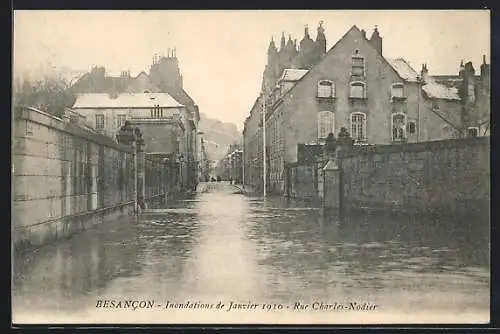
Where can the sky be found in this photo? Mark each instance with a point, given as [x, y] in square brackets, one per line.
[222, 54]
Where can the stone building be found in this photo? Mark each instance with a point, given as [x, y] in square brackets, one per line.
[164, 77]
[163, 121]
[380, 101]
[230, 167]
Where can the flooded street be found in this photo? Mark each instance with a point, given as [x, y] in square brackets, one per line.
[228, 247]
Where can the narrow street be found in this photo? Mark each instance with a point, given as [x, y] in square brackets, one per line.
[227, 247]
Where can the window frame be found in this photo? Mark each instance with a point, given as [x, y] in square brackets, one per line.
[408, 132]
[358, 56]
[354, 84]
[118, 119]
[331, 93]
[101, 115]
[364, 139]
[331, 125]
[398, 85]
[403, 127]
[472, 128]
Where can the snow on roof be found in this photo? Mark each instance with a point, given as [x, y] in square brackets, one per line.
[290, 74]
[125, 100]
[439, 91]
[405, 71]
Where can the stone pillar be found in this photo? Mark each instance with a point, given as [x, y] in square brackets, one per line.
[141, 166]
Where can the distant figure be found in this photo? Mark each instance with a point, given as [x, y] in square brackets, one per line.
[230, 181]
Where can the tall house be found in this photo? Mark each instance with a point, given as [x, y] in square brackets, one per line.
[164, 77]
[379, 101]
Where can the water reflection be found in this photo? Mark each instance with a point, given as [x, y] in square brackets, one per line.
[55, 275]
[221, 246]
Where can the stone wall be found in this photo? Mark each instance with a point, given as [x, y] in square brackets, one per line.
[302, 181]
[65, 178]
[449, 177]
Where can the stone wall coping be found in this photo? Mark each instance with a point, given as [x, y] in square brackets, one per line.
[428, 146]
[54, 122]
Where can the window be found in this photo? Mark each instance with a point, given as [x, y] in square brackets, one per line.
[358, 66]
[358, 127]
[397, 90]
[357, 90]
[471, 92]
[99, 121]
[472, 132]
[326, 88]
[398, 127]
[121, 120]
[411, 127]
[326, 124]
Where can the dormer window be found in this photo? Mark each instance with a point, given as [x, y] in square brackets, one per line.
[358, 65]
[326, 89]
[357, 90]
[472, 131]
[397, 91]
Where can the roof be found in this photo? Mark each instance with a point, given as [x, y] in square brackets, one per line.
[290, 74]
[125, 100]
[437, 90]
[94, 84]
[404, 70]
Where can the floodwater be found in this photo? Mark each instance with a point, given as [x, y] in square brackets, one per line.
[287, 258]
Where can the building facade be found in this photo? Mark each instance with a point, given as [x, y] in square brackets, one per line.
[380, 101]
[230, 168]
[164, 77]
[162, 121]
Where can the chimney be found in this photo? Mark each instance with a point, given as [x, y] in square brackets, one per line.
[424, 73]
[376, 40]
[485, 69]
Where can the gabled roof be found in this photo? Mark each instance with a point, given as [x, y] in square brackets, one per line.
[437, 90]
[125, 100]
[94, 84]
[399, 65]
[404, 70]
[290, 74]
